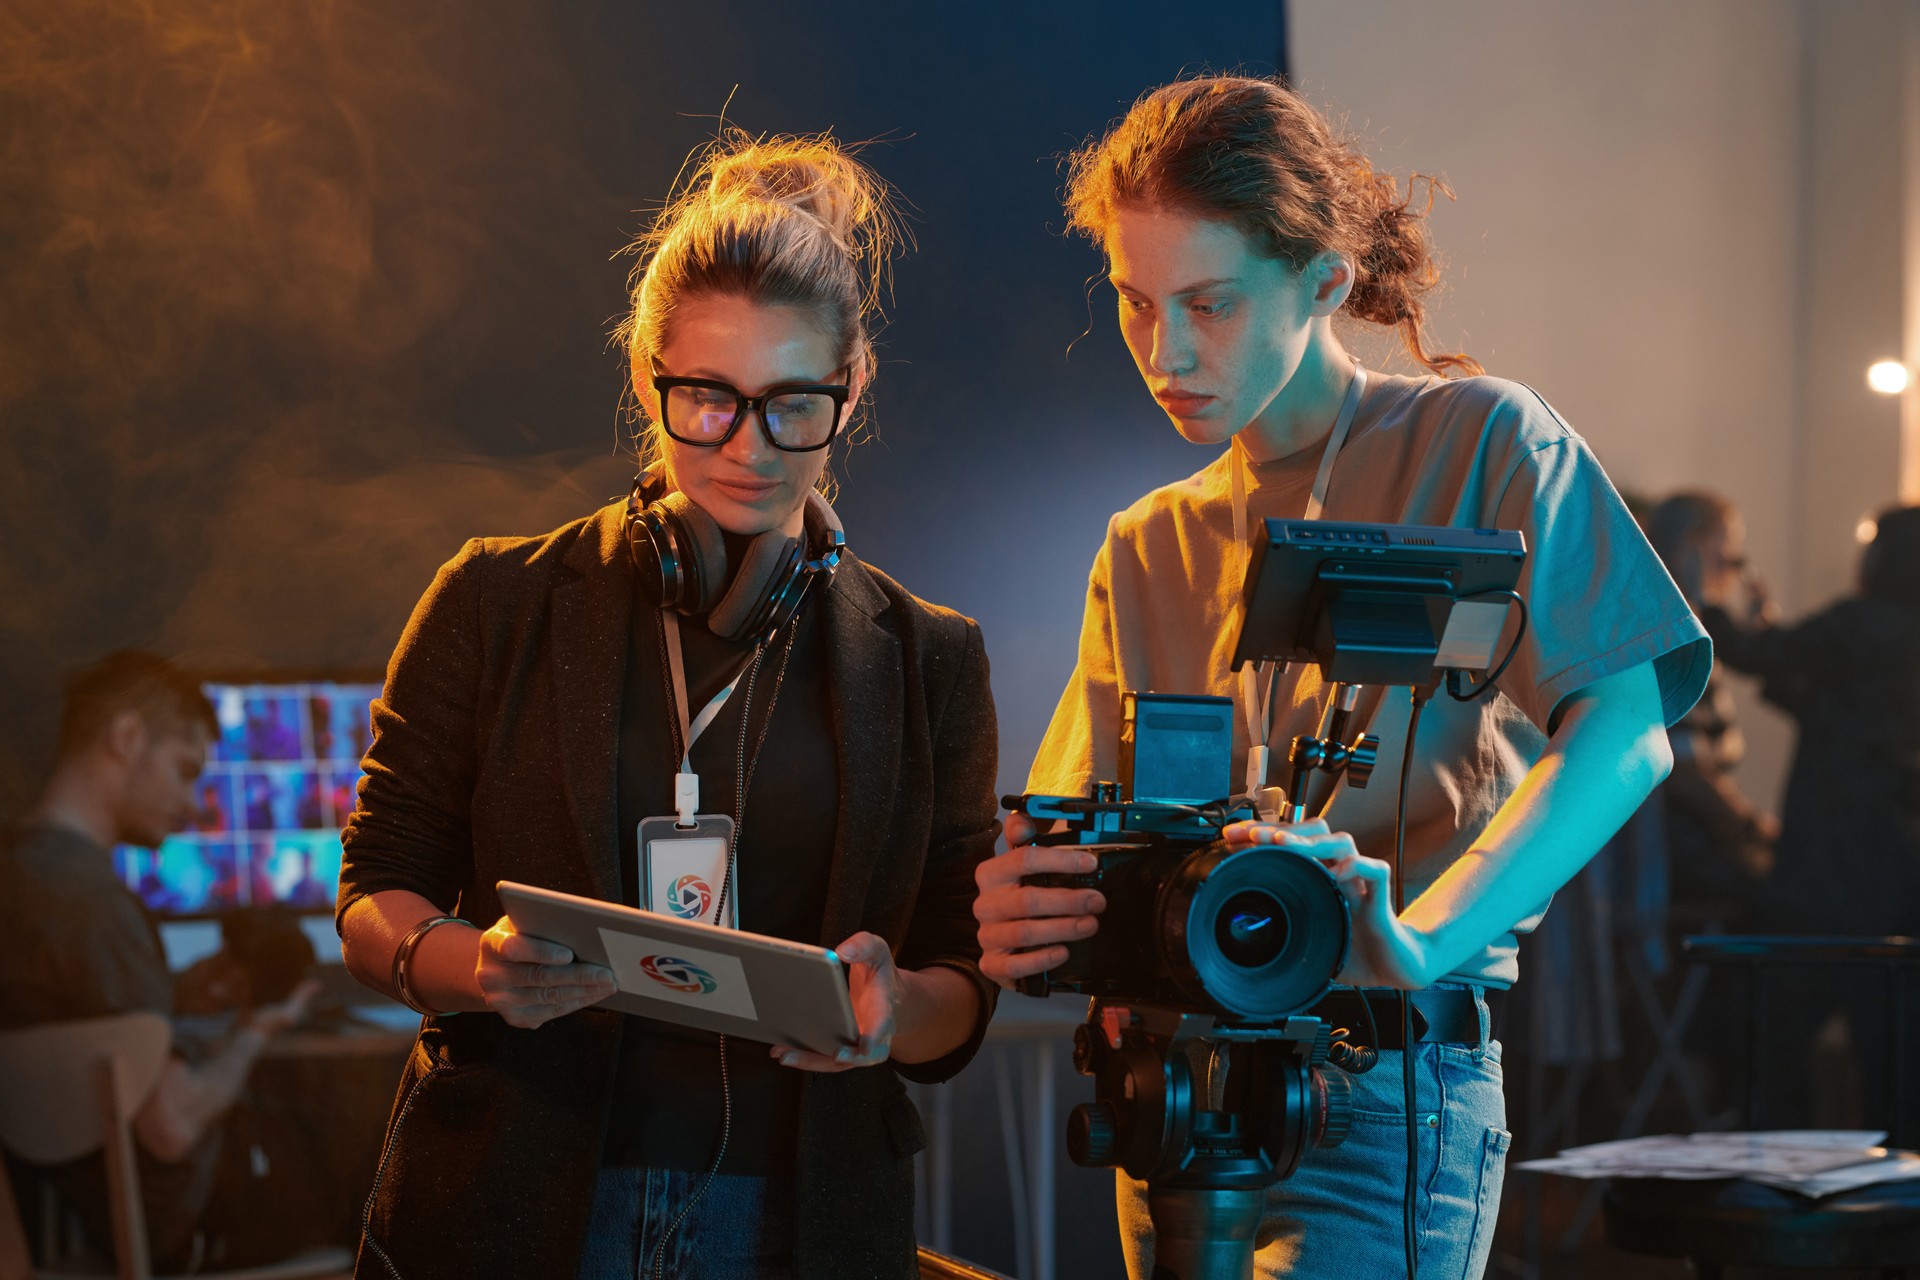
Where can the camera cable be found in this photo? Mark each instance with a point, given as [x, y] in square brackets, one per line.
[1407, 1043]
[1455, 679]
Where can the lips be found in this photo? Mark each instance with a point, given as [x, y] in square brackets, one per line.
[1182, 404]
[746, 490]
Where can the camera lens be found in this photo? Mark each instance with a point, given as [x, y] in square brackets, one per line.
[1251, 929]
[1256, 933]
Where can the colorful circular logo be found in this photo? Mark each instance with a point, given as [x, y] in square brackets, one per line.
[678, 975]
[689, 897]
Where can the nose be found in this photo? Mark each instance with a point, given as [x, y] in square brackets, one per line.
[749, 445]
[1172, 350]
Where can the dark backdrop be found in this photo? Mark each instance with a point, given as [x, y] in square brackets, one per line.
[298, 297]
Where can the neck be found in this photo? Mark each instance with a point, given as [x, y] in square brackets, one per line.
[1303, 413]
[74, 802]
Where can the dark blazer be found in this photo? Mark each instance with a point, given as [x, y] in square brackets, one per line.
[494, 757]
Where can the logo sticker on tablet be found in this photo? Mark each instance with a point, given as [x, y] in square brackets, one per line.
[678, 974]
[672, 972]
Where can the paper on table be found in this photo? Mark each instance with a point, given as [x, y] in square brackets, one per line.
[1813, 1162]
[1896, 1166]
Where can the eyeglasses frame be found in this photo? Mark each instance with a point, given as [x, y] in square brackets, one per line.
[757, 405]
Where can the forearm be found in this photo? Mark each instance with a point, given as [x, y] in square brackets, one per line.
[441, 973]
[189, 1099]
[1607, 755]
[937, 1011]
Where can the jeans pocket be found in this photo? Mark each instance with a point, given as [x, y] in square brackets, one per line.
[1493, 1177]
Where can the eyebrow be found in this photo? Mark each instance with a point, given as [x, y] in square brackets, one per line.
[1202, 287]
[710, 375]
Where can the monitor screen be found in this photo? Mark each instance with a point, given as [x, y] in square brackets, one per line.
[279, 785]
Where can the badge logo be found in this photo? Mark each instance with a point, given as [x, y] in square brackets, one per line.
[689, 898]
[678, 975]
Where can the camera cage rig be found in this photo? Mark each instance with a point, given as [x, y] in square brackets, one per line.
[1206, 1106]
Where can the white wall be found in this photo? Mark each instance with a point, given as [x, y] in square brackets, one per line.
[1680, 222]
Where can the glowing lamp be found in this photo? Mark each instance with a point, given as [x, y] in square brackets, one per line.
[1888, 377]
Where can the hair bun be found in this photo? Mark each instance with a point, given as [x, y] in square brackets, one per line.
[807, 175]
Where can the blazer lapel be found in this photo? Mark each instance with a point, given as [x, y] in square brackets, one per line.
[866, 691]
[592, 624]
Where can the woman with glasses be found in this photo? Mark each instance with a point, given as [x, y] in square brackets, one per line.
[1237, 225]
[552, 695]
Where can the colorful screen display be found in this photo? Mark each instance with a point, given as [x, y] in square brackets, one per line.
[278, 787]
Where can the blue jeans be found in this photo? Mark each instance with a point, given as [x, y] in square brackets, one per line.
[741, 1229]
[1340, 1213]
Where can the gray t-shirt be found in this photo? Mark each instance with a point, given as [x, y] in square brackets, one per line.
[81, 944]
[1163, 604]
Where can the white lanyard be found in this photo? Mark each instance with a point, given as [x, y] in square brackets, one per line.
[686, 783]
[1255, 689]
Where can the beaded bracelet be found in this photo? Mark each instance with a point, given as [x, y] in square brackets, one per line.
[403, 956]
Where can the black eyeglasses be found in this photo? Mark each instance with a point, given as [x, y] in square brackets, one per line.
[798, 417]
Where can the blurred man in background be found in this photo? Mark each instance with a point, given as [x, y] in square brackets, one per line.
[134, 736]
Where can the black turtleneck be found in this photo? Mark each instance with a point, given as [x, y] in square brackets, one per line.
[666, 1110]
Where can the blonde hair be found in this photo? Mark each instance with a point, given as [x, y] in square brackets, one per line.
[784, 220]
[1253, 153]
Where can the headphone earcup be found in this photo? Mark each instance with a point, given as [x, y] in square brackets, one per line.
[740, 613]
[679, 552]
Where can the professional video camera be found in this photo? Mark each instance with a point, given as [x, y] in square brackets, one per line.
[1248, 935]
[1211, 1079]
[1208, 1087]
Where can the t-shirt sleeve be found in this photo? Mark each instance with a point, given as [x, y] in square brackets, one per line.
[1082, 741]
[1598, 599]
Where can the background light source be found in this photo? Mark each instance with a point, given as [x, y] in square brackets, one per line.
[1888, 377]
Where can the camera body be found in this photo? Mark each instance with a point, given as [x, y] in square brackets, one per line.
[1249, 935]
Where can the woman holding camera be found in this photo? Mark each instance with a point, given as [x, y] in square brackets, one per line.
[1236, 226]
[544, 697]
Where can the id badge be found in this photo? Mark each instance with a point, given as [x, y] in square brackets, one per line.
[682, 871]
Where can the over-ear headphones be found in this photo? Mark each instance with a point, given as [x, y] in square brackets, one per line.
[682, 562]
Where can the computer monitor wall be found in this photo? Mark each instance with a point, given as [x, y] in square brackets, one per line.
[278, 786]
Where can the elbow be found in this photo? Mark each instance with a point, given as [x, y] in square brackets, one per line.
[361, 949]
[1653, 758]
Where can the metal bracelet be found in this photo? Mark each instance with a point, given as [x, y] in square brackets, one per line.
[403, 957]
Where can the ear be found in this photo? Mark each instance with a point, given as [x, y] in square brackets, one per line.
[126, 736]
[856, 387]
[1331, 274]
[643, 392]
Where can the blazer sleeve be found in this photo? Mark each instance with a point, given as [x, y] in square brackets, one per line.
[965, 824]
[411, 828]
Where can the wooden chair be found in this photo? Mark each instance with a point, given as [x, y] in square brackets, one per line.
[68, 1089]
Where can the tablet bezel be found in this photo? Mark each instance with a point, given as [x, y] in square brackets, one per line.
[798, 992]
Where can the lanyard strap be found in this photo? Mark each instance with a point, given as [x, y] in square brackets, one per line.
[1256, 679]
[686, 783]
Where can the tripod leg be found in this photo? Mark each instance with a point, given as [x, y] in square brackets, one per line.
[1203, 1234]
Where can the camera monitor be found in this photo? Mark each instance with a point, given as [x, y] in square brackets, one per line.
[1387, 604]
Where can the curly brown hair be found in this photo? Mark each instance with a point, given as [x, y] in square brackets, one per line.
[1252, 153]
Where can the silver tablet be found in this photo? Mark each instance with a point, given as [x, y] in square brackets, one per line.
[697, 975]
